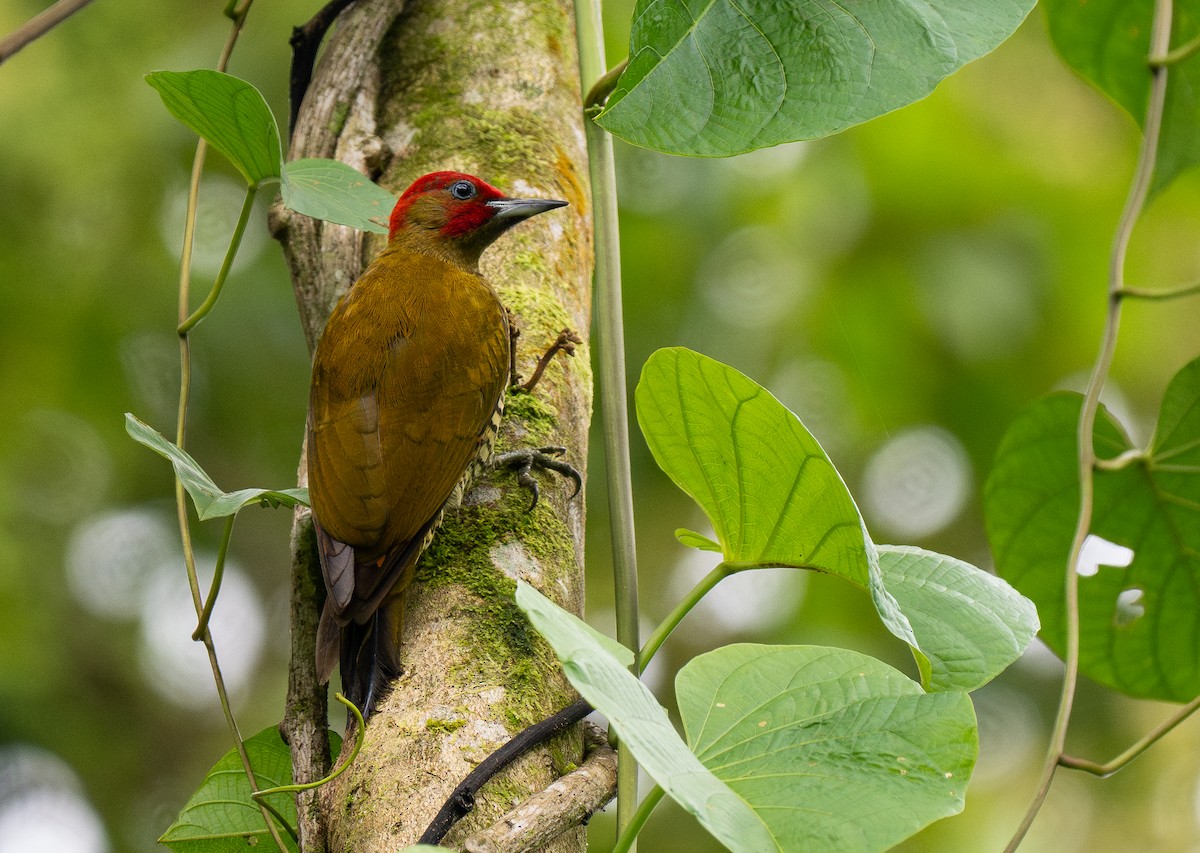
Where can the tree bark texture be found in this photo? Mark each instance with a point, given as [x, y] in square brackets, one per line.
[488, 87]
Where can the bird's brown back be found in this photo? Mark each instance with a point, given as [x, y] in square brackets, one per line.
[410, 370]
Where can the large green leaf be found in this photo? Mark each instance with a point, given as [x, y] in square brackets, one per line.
[834, 750]
[970, 624]
[1138, 624]
[210, 501]
[221, 817]
[775, 499]
[718, 77]
[229, 113]
[596, 667]
[1108, 42]
[333, 191]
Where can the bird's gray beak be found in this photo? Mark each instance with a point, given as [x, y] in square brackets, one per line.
[513, 210]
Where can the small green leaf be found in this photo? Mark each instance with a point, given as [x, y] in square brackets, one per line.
[642, 723]
[970, 624]
[1138, 622]
[333, 191]
[713, 78]
[210, 501]
[229, 113]
[692, 539]
[832, 749]
[221, 817]
[1108, 43]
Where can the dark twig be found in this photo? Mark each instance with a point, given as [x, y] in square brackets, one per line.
[564, 343]
[462, 800]
[38, 26]
[305, 42]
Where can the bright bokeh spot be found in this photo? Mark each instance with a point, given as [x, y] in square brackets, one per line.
[217, 212]
[62, 466]
[177, 667]
[750, 281]
[749, 604]
[917, 483]
[43, 808]
[977, 293]
[111, 557]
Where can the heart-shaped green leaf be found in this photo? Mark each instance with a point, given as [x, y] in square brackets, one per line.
[970, 624]
[600, 675]
[221, 817]
[210, 501]
[1138, 623]
[1108, 43]
[775, 499]
[713, 78]
[771, 493]
[229, 113]
[333, 191]
[833, 749]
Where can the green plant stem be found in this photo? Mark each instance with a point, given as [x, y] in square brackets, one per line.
[1173, 57]
[1141, 745]
[185, 385]
[1123, 460]
[664, 629]
[1160, 40]
[599, 93]
[360, 732]
[234, 243]
[1171, 293]
[614, 407]
[628, 837]
[218, 575]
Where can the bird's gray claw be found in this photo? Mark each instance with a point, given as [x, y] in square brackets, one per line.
[522, 462]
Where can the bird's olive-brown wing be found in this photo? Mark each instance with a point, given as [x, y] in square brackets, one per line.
[405, 381]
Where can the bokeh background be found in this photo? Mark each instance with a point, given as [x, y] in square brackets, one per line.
[906, 287]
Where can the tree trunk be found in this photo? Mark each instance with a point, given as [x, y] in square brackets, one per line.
[488, 87]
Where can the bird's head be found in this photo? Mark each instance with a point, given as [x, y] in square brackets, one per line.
[458, 214]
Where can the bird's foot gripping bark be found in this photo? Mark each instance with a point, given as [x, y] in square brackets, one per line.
[523, 461]
[564, 343]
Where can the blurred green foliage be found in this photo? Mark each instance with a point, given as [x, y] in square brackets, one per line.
[939, 267]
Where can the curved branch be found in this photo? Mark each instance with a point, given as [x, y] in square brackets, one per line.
[38, 26]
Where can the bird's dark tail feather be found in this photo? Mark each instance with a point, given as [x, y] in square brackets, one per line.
[370, 655]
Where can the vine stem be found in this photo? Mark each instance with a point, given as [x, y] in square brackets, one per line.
[628, 838]
[189, 323]
[1141, 745]
[685, 605]
[1154, 294]
[38, 26]
[614, 407]
[185, 385]
[1160, 40]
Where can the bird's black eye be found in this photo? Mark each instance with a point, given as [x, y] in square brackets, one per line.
[462, 190]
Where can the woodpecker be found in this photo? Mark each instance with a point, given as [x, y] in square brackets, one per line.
[408, 383]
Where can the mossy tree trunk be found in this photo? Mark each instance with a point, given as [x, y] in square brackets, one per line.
[488, 87]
